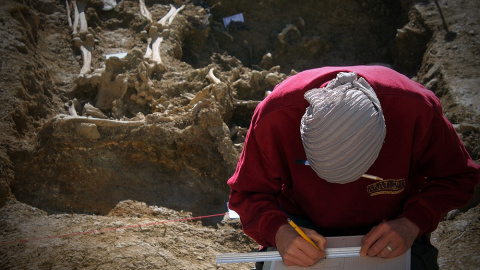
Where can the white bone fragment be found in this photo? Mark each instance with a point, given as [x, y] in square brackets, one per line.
[144, 11]
[288, 28]
[83, 19]
[69, 18]
[109, 4]
[98, 121]
[86, 48]
[87, 59]
[76, 17]
[71, 110]
[148, 52]
[110, 88]
[156, 50]
[168, 18]
[188, 96]
[211, 77]
[153, 50]
[164, 19]
[155, 38]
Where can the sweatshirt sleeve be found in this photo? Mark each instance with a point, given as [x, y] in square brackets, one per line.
[253, 194]
[443, 174]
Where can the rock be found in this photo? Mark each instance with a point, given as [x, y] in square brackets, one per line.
[452, 214]
[90, 110]
[272, 78]
[466, 128]
[87, 130]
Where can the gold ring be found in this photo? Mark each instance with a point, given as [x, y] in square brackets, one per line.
[389, 248]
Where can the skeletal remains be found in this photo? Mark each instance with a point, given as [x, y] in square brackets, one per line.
[155, 37]
[83, 39]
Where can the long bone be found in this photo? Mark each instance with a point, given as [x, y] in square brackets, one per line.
[148, 53]
[69, 16]
[76, 17]
[156, 44]
[170, 15]
[98, 121]
[153, 50]
[144, 11]
[211, 77]
[86, 48]
[83, 19]
[80, 31]
[155, 38]
[79, 17]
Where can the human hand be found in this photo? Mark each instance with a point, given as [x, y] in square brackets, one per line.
[297, 251]
[389, 239]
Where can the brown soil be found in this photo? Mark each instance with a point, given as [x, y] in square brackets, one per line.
[125, 186]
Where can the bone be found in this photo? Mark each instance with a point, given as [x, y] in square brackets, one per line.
[98, 121]
[83, 20]
[86, 48]
[156, 45]
[153, 49]
[144, 11]
[109, 4]
[71, 109]
[111, 86]
[288, 28]
[76, 17]
[156, 38]
[79, 21]
[211, 76]
[87, 59]
[148, 52]
[168, 18]
[156, 50]
[164, 19]
[69, 18]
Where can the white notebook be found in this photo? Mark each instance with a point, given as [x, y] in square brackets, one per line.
[349, 263]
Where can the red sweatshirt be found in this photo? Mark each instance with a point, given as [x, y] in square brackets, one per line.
[426, 169]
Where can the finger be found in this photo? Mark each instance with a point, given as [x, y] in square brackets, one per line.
[309, 250]
[377, 239]
[368, 240]
[385, 252]
[296, 256]
[396, 250]
[319, 239]
[379, 246]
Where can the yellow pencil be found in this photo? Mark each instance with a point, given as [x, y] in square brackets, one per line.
[302, 234]
[373, 177]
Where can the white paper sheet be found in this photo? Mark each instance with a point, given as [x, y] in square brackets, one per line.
[234, 18]
[350, 263]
